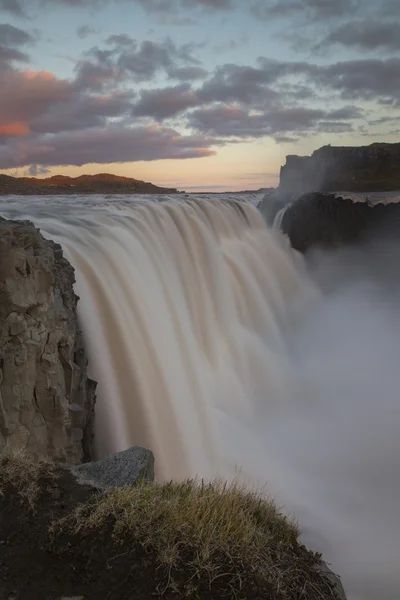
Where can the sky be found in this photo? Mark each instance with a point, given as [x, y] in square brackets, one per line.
[201, 95]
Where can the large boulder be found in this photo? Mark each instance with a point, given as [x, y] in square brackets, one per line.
[46, 398]
[329, 220]
[117, 470]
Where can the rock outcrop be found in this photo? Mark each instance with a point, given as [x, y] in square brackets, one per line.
[117, 470]
[374, 168]
[46, 398]
[328, 221]
[353, 169]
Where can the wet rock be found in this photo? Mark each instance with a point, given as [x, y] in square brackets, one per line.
[117, 470]
[330, 221]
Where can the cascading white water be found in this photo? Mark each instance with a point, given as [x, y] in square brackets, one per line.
[214, 347]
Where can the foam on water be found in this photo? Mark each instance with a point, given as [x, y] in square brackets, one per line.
[215, 347]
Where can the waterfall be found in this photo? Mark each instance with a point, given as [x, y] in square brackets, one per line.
[215, 347]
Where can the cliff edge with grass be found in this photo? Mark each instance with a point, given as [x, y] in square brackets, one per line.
[60, 539]
[46, 398]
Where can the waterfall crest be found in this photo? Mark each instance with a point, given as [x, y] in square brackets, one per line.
[183, 306]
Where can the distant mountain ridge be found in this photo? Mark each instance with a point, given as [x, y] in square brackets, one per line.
[102, 183]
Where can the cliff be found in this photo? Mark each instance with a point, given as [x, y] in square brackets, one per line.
[330, 221]
[46, 398]
[102, 183]
[356, 169]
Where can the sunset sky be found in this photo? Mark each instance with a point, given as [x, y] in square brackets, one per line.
[194, 94]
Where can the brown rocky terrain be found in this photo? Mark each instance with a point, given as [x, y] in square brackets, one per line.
[46, 398]
[103, 183]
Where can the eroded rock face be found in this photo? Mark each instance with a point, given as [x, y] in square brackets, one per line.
[330, 221]
[46, 399]
[330, 168]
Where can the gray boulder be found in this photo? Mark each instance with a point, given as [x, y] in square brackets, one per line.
[120, 469]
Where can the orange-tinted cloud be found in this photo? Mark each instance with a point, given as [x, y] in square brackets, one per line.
[14, 129]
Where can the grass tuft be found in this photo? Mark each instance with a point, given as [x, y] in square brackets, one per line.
[192, 539]
[209, 530]
[19, 472]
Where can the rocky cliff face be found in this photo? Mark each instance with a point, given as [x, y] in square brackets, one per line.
[357, 169]
[46, 399]
[328, 221]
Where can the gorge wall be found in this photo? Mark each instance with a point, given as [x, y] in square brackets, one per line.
[46, 398]
[357, 169]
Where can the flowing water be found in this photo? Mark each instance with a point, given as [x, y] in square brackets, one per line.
[217, 348]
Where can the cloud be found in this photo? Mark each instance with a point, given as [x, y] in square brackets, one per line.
[23, 8]
[232, 44]
[367, 35]
[142, 61]
[346, 112]
[13, 36]
[14, 7]
[170, 6]
[105, 145]
[29, 95]
[187, 73]
[121, 39]
[232, 83]
[360, 79]
[35, 170]
[8, 55]
[228, 121]
[37, 103]
[91, 75]
[314, 10]
[84, 31]
[166, 102]
[83, 112]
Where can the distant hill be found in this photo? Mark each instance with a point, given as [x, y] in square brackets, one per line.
[103, 183]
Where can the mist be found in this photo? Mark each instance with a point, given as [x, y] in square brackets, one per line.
[342, 445]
